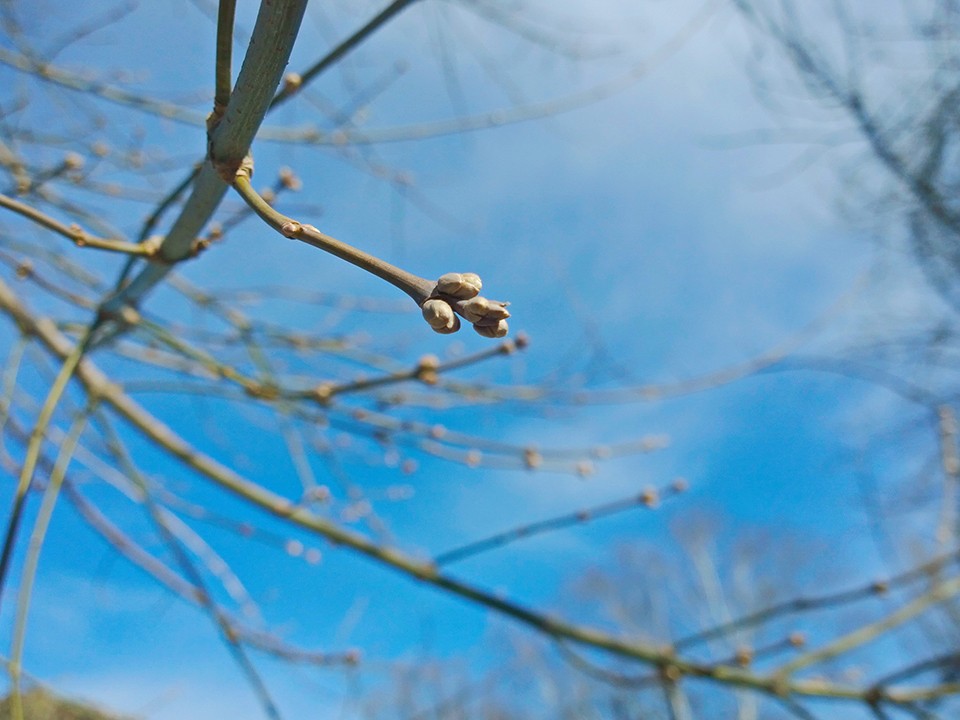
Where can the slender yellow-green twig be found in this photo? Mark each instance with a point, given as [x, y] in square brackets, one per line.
[70, 363]
[204, 598]
[67, 448]
[77, 235]
[9, 383]
[937, 594]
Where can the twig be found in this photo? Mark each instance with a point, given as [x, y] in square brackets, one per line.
[77, 235]
[416, 287]
[42, 522]
[71, 361]
[648, 498]
[223, 74]
[204, 597]
[948, 528]
[340, 51]
[99, 386]
[937, 594]
[808, 604]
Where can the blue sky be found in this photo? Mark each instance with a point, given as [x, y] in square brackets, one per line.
[651, 228]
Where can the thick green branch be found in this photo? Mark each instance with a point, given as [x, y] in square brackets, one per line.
[229, 141]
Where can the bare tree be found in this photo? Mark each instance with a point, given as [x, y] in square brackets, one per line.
[90, 341]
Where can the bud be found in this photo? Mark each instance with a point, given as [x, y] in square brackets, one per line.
[289, 180]
[440, 316]
[460, 285]
[323, 392]
[479, 309]
[499, 330]
[73, 161]
[352, 657]
[291, 83]
[532, 458]
[428, 362]
[129, 315]
[291, 229]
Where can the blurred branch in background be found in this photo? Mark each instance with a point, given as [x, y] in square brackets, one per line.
[141, 387]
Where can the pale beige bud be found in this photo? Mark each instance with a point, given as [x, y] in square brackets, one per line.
[73, 161]
[499, 330]
[292, 82]
[460, 285]
[481, 310]
[289, 180]
[291, 229]
[440, 316]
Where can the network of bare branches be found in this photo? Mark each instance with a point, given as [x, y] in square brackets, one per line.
[183, 399]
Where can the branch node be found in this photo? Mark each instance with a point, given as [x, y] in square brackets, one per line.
[78, 235]
[292, 82]
[152, 245]
[323, 392]
[24, 270]
[291, 229]
[198, 246]
[230, 168]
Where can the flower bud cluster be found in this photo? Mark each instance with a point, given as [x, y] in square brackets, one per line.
[459, 294]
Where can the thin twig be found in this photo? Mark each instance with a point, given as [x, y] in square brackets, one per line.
[71, 361]
[42, 522]
[416, 287]
[223, 74]
[77, 235]
[649, 498]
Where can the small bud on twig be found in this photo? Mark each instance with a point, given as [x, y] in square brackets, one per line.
[73, 161]
[292, 82]
[462, 286]
[480, 310]
[493, 331]
[289, 180]
[440, 316]
[291, 229]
